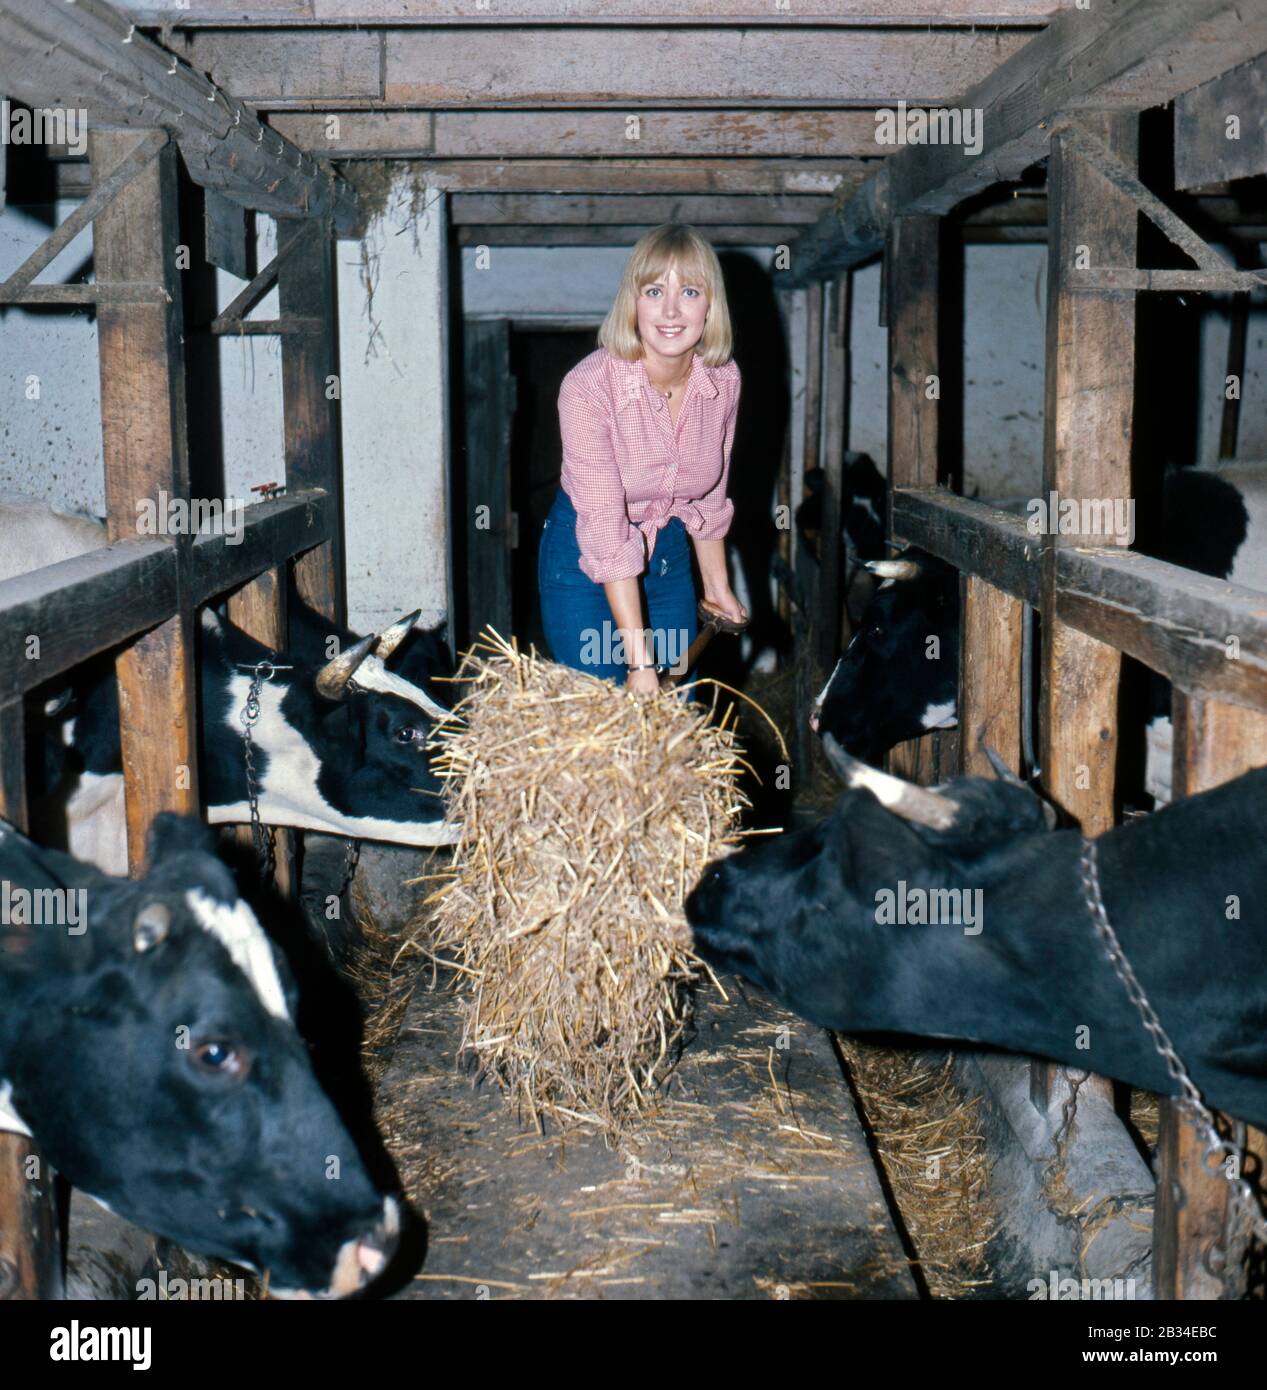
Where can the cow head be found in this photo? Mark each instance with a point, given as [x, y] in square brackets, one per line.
[797, 913]
[339, 748]
[147, 1042]
[894, 681]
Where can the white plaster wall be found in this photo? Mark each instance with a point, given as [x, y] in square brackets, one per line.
[50, 446]
[394, 361]
[1004, 325]
[546, 281]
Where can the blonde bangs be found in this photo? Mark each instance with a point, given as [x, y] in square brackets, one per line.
[671, 246]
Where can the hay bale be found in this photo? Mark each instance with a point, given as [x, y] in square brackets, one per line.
[588, 815]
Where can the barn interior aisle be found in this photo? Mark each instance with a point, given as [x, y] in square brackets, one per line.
[919, 956]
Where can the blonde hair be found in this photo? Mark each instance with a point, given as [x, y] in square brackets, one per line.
[672, 246]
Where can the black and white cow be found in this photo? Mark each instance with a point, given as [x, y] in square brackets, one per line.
[899, 676]
[147, 1043]
[961, 916]
[339, 746]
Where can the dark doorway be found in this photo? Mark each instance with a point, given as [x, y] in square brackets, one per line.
[539, 360]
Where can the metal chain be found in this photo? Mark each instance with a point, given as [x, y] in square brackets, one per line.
[261, 671]
[1195, 1110]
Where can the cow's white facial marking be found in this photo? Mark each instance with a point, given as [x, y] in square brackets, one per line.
[822, 694]
[242, 936]
[864, 504]
[288, 792]
[942, 716]
[10, 1120]
[371, 674]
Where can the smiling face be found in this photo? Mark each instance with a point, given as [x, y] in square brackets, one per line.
[671, 314]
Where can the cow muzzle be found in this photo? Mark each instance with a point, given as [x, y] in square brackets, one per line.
[360, 1260]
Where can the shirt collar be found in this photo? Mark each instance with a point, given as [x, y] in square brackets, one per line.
[636, 379]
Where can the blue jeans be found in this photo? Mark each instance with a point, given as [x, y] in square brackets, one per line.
[577, 618]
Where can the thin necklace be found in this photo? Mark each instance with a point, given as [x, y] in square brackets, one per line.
[668, 395]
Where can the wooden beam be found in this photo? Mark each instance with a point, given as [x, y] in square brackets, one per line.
[517, 13]
[767, 178]
[1213, 743]
[145, 447]
[549, 209]
[81, 607]
[272, 533]
[615, 234]
[1206, 635]
[228, 235]
[768, 133]
[778, 65]
[1117, 55]
[1221, 127]
[310, 376]
[87, 56]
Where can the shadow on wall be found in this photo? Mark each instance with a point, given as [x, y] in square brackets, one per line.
[762, 355]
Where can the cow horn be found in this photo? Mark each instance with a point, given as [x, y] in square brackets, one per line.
[391, 637]
[895, 569]
[58, 703]
[1004, 772]
[152, 924]
[912, 803]
[333, 677]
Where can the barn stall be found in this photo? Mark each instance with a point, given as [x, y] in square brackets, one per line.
[441, 197]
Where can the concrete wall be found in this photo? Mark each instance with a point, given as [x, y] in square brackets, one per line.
[395, 400]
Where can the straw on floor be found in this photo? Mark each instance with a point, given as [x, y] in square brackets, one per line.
[588, 814]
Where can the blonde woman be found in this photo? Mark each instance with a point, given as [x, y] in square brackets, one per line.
[648, 423]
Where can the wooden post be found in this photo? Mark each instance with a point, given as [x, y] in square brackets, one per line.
[145, 447]
[30, 1250]
[989, 677]
[835, 389]
[259, 609]
[310, 394]
[912, 284]
[1213, 742]
[1090, 390]
[808, 677]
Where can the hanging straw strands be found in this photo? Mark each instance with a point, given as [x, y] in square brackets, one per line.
[589, 814]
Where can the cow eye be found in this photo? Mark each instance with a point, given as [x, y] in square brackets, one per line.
[405, 735]
[220, 1058]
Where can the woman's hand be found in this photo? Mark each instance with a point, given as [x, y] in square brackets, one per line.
[725, 601]
[643, 682]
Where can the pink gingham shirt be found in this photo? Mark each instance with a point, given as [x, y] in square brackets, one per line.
[628, 471]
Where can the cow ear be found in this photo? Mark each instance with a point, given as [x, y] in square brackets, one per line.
[171, 834]
[876, 848]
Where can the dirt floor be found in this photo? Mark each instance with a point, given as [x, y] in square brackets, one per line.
[760, 1175]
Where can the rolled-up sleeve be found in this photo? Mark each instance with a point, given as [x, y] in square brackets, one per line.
[611, 546]
[715, 507]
